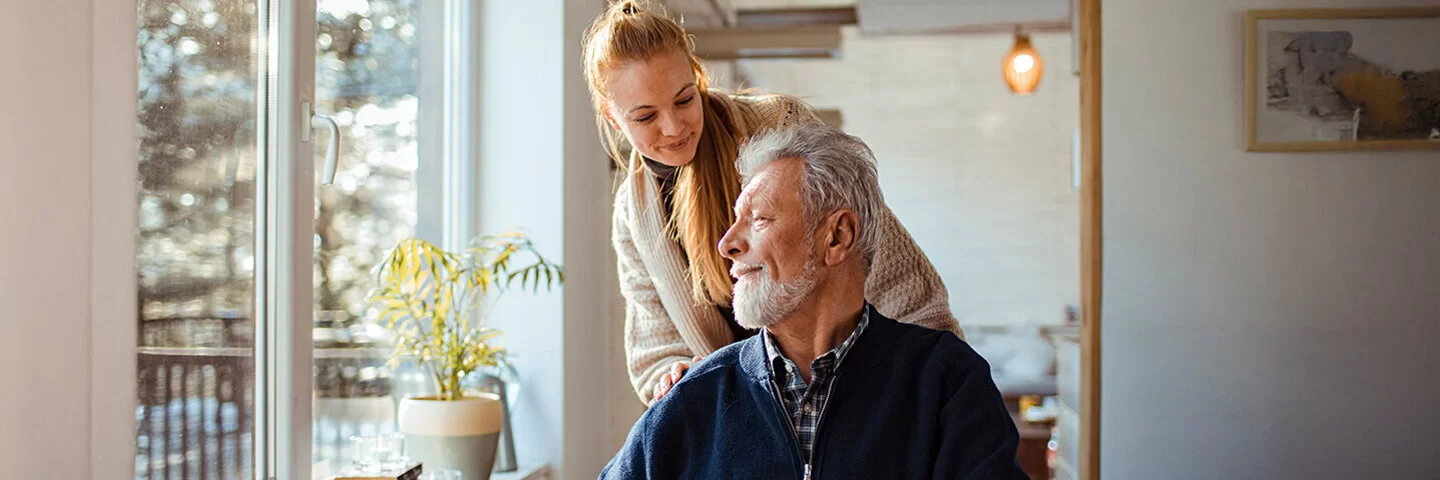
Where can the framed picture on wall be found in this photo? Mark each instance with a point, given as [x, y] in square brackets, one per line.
[1342, 79]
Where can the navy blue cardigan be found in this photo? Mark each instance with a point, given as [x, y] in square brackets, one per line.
[909, 402]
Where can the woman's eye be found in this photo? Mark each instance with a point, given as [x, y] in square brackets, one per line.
[686, 101]
[645, 118]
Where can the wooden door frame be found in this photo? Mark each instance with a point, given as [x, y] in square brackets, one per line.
[1090, 238]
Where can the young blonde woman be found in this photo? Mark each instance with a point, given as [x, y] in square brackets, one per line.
[676, 200]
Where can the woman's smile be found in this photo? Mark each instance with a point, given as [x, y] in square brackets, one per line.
[677, 146]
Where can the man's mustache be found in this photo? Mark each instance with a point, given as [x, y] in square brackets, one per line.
[738, 269]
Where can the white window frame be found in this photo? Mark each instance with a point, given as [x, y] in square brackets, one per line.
[447, 114]
[284, 219]
[284, 290]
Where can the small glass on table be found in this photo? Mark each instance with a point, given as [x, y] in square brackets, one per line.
[390, 451]
[363, 450]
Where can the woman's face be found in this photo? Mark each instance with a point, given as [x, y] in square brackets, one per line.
[657, 105]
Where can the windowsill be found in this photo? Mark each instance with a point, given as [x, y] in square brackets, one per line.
[525, 472]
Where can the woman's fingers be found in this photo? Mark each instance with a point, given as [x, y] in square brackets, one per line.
[669, 379]
[677, 370]
[662, 387]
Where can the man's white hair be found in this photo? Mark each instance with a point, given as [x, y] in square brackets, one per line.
[839, 174]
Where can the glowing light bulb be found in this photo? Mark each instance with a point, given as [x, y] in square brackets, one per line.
[1023, 63]
[1023, 66]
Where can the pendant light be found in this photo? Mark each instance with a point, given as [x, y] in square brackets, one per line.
[1023, 66]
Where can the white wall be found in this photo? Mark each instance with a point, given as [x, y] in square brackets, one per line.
[980, 177]
[66, 148]
[599, 400]
[542, 168]
[1265, 315]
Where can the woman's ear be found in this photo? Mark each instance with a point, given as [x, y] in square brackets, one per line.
[605, 110]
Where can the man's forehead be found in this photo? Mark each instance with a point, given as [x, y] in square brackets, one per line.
[771, 182]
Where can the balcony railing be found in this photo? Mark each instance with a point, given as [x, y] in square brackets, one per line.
[194, 418]
[196, 405]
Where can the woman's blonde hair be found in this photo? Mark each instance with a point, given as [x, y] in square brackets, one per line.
[706, 188]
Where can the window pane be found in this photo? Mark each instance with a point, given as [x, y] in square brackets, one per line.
[196, 121]
[367, 79]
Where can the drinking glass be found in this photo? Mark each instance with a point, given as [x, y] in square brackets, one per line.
[390, 451]
[363, 450]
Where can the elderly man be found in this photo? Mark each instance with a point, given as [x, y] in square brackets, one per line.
[830, 388]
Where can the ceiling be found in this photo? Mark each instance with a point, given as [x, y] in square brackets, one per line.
[883, 17]
[959, 16]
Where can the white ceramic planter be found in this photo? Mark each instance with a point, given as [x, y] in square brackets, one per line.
[456, 435]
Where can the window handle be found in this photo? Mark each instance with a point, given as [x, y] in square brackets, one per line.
[332, 151]
[332, 148]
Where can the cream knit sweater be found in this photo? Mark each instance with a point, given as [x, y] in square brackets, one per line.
[664, 325]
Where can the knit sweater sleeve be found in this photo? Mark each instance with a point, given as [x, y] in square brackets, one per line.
[766, 112]
[652, 343]
[903, 284]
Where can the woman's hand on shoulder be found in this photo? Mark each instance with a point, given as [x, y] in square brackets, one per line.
[672, 377]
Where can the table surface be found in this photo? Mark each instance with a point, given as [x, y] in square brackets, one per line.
[525, 472]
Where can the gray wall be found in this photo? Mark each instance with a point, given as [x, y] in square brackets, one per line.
[1266, 315]
[42, 290]
[67, 201]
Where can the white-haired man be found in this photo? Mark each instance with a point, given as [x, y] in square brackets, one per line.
[830, 388]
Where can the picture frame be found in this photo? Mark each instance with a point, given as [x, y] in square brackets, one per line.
[1342, 79]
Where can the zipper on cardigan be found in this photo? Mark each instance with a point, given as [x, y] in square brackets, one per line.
[788, 422]
[820, 420]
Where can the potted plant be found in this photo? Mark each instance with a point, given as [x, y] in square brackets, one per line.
[429, 297]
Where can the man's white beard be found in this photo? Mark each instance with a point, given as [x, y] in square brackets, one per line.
[762, 302]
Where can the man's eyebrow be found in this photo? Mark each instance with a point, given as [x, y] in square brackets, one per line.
[753, 203]
[742, 203]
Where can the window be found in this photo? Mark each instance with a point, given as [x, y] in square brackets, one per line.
[367, 78]
[197, 123]
[207, 116]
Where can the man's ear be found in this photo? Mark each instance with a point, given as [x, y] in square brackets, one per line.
[841, 231]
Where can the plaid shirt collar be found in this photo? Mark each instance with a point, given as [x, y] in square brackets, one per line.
[806, 403]
[778, 360]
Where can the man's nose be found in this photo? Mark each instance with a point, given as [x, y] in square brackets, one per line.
[732, 244]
